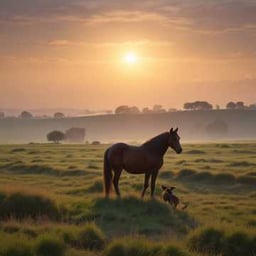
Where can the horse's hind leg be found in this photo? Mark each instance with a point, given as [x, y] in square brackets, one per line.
[117, 173]
[153, 181]
[146, 182]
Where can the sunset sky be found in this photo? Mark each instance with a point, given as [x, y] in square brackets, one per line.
[99, 54]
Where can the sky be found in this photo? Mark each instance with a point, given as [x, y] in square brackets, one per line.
[73, 54]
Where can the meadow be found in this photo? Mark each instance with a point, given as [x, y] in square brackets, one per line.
[52, 203]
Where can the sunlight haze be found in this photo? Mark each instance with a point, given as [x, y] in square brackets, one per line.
[78, 53]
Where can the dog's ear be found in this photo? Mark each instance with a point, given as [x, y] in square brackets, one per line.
[163, 187]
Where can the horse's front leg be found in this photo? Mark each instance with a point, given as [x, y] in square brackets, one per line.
[153, 181]
[146, 183]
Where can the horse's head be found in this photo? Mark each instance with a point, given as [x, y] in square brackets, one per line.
[174, 141]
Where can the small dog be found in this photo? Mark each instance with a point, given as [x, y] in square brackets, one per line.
[169, 197]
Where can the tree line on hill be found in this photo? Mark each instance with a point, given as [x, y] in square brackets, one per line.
[156, 109]
[196, 105]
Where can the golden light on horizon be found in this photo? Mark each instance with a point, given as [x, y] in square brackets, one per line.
[131, 58]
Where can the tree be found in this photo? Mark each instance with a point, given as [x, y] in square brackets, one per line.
[2, 115]
[59, 115]
[75, 134]
[158, 109]
[26, 115]
[55, 136]
[124, 109]
[240, 105]
[146, 110]
[198, 105]
[231, 105]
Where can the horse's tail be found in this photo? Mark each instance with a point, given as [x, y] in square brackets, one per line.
[107, 174]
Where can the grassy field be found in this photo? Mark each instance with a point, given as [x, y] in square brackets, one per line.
[52, 203]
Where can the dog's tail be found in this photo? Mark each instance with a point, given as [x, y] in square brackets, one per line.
[183, 205]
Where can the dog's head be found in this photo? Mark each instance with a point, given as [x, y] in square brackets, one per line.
[167, 189]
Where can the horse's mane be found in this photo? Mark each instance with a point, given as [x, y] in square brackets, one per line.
[158, 144]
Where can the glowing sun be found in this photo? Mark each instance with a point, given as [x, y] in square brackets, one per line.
[131, 58]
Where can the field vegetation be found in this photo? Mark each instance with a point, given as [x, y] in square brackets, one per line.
[52, 203]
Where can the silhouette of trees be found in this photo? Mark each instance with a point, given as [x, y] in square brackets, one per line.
[237, 105]
[252, 106]
[58, 115]
[124, 109]
[75, 134]
[158, 109]
[2, 115]
[197, 105]
[55, 136]
[26, 115]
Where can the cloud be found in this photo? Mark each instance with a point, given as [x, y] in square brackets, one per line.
[201, 16]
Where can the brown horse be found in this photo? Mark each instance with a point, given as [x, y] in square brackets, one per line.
[147, 158]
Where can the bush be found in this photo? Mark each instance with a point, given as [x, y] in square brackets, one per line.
[140, 247]
[173, 251]
[11, 245]
[21, 205]
[128, 247]
[91, 237]
[48, 245]
[237, 244]
[208, 240]
[15, 248]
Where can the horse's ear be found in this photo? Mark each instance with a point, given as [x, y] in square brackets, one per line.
[176, 129]
[171, 130]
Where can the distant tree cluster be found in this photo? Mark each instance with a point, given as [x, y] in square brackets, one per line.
[73, 134]
[26, 115]
[198, 105]
[239, 105]
[124, 109]
[58, 115]
[2, 115]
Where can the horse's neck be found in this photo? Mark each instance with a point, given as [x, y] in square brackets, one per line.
[157, 145]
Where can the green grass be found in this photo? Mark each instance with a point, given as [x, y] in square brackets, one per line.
[55, 191]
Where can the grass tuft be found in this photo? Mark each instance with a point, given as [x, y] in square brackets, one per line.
[21, 205]
[91, 237]
[49, 245]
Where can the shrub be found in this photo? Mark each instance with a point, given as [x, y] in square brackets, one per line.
[91, 237]
[173, 251]
[49, 245]
[208, 240]
[127, 247]
[140, 247]
[237, 244]
[21, 205]
[11, 245]
[16, 249]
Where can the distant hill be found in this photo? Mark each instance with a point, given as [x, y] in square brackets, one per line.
[193, 125]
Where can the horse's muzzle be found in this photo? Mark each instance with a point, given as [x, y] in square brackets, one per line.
[179, 151]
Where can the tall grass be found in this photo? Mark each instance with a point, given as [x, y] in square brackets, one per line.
[49, 245]
[21, 205]
[215, 241]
